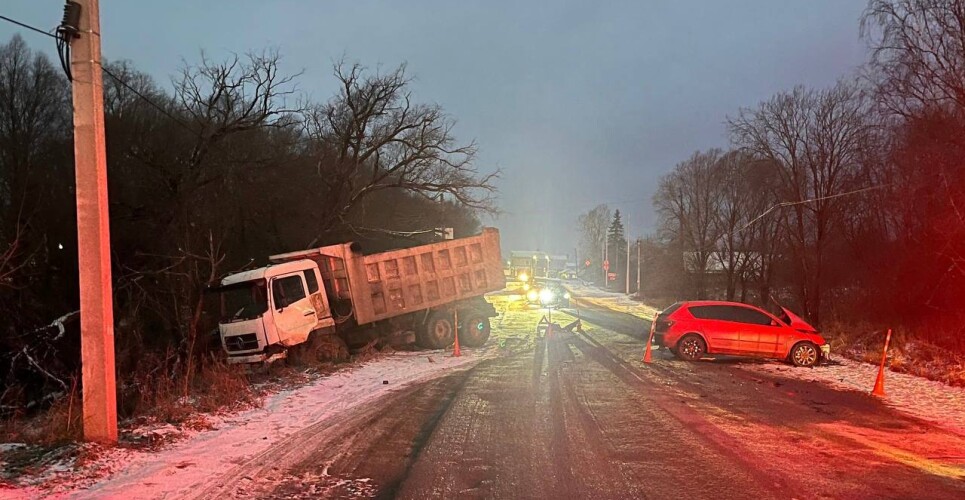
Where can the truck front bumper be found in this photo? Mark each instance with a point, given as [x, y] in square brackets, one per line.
[256, 358]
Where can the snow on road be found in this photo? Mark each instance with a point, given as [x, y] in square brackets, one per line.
[190, 463]
[925, 399]
[614, 301]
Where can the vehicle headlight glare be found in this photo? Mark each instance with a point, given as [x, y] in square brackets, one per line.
[532, 295]
[523, 277]
[546, 295]
[566, 295]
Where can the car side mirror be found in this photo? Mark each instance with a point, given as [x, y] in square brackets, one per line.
[774, 323]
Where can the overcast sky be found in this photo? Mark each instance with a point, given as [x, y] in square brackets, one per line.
[578, 103]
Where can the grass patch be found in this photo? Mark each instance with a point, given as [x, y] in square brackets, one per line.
[906, 353]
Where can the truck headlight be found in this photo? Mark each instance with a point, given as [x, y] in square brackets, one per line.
[532, 295]
[546, 295]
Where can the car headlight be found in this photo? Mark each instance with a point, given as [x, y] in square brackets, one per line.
[523, 277]
[525, 286]
[532, 295]
[546, 295]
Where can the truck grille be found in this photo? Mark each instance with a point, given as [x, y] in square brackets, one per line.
[244, 342]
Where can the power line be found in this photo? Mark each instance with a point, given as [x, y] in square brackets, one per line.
[29, 27]
[810, 200]
[60, 46]
[147, 100]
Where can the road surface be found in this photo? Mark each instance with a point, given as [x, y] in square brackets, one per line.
[580, 416]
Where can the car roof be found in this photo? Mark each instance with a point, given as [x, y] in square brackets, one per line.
[690, 303]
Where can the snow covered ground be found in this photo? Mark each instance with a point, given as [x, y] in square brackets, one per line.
[928, 400]
[932, 401]
[185, 456]
[184, 465]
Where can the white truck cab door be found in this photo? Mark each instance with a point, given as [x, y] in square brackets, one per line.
[292, 308]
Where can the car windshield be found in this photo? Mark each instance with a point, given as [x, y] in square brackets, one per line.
[243, 301]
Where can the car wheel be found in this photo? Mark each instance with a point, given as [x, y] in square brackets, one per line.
[438, 332]
[804, 354]
[691, 347]
[474, 331]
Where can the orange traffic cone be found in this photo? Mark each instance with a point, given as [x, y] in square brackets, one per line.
[647, 358]
[455, 347]
[879, 389]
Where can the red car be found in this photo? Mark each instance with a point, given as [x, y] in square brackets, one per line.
[692, 329]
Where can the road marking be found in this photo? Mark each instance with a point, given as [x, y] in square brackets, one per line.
[906, 457]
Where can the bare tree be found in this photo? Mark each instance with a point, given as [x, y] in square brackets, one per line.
[918, 53]
[371, 137]
[737, 202]
[593, 227]
[818, 139]
[688, 202]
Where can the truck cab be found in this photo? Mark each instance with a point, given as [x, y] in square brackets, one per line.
[265, 311]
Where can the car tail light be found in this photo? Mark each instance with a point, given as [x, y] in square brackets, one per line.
[662, 325]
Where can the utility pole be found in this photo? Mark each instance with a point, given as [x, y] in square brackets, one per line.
[627, 269]
[639, 263]
[606, 279]
[93, 232]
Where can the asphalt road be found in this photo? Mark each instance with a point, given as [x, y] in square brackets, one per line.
[580, 416]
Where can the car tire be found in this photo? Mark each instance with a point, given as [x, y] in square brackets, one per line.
[474, 331]
[438, 331]
[805, 354]
[691, 347]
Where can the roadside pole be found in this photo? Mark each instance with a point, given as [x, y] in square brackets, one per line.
[627, 268]
[638, 266]
[606, 279]
[93, 233]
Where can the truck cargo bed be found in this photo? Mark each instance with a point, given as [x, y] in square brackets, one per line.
[389, 284]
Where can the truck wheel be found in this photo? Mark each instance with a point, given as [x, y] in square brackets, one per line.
[474, 331]
[438, 332]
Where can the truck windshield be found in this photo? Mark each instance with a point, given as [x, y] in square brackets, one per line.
[242, 301]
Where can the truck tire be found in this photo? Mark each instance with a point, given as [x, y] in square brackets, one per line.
[438, 331]
[474, 330]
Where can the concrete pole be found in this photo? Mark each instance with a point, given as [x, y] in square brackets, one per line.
[606, 256]
[627, 270]
[93, 234]
[638, 266]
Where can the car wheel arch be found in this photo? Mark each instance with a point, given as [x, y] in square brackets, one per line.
[699, 334]
[798, 342]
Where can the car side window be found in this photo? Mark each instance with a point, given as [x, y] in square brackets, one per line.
[711, 312]
[286, 291]
[750, 316]
[735, 314]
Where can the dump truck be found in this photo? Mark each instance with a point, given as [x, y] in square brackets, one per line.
[412, 293]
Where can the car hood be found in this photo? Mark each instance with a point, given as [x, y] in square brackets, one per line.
[797, 323]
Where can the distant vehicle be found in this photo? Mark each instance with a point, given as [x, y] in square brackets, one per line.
[568, 274]
[335, 289]
[548, 295]
[692, 329]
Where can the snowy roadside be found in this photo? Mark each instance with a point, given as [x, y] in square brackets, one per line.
[614, 301]
[928, 400]
[192, 461]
